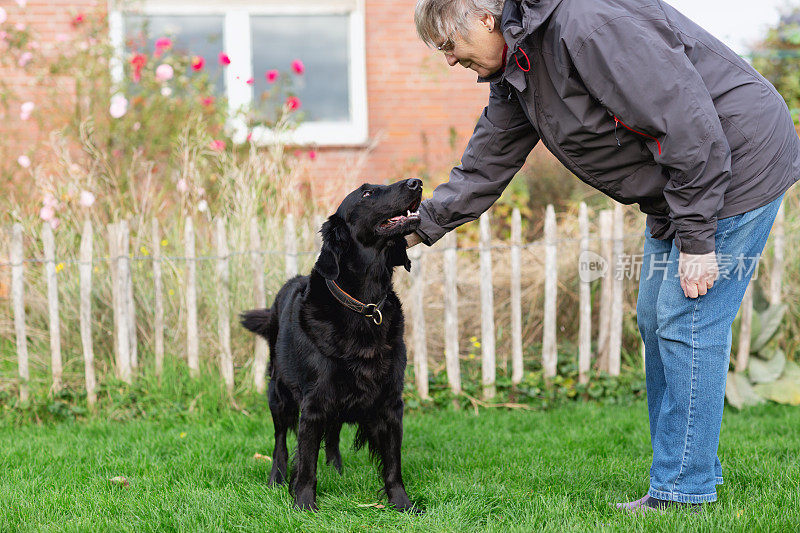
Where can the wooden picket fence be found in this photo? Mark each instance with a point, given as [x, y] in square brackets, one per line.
[125, 314]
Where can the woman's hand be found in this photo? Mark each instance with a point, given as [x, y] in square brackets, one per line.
[413, 239]
[697, 273]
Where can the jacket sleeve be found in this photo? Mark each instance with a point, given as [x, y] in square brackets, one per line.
[501, 142]
[638, 70]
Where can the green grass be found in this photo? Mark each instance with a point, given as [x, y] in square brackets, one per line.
[499, 471]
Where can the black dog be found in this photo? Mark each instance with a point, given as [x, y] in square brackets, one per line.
[336, 342]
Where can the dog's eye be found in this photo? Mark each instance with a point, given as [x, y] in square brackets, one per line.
[366, 193]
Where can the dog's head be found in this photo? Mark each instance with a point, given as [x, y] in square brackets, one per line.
[372, 220]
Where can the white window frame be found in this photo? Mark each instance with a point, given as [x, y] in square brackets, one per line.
[238, 46]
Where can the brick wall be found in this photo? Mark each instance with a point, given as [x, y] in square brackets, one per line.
[421, 112]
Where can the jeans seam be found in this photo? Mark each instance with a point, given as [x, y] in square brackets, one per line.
[689, 424]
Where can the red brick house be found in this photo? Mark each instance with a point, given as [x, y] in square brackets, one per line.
[375, 92]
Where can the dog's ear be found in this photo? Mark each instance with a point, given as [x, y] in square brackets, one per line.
[334, 243]
[398, 255]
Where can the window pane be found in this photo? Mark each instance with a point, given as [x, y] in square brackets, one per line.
[321, 42]
[191, 35]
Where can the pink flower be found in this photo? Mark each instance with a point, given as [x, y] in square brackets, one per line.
[293, 103]
[22, 3]
[217, 145]
[271, 76]
[24, 59]
[24, 161]
[208, 101]
[298, 67]
[50, 201]
[182, 185]
[162, 45]
[19, 26]
[25, 110]
[86, 199]
[249, 136]
[47, 213]
[312, 154]
[55, 223]
[198, 63]
[224, 60]
[164, 72]
[118, 107]
[138, 62]
[250, 81]
[78, 19]
[3, 15]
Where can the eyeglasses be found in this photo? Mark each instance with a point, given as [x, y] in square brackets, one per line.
[447, 46]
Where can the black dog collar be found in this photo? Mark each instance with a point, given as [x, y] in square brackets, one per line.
[372, 311]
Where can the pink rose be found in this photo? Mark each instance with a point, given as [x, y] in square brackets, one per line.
[312, 154]
[86, 199]
[162, 45]
[24, 161]
[293, 103]
[24, 59]
[164, 72]
[198, 63]
[47, 213]
[250, 81]
[217, 145]
[298, 67]
[271, 76]
[25, 110]
[224, 60]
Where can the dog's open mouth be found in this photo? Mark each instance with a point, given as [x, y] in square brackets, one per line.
[401, 220]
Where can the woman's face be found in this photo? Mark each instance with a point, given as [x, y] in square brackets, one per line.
[481, 49]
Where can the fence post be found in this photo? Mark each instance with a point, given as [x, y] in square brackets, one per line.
[488, 364]
[260, 298]
[290, 245]
[605, 234]
[585, 306]
[223, 306]
[18, 298]
[451, 312]
[192, 346]
[56, 365]
[549, 351]
[516, 298]
[418, 316]
[85, 268]
[158, 300]
[129, 298]
[746, 326]
[119, 264]
[615, 332]
[778, 246]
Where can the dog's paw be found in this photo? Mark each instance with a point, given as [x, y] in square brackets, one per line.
[305, 500]
[407, 507]
[276, 478]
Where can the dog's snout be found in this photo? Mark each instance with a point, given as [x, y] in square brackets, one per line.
[414, 184]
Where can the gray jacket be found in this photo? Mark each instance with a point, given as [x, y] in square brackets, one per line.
[637, 101]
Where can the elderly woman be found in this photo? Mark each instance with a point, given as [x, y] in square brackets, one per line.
[646, 106]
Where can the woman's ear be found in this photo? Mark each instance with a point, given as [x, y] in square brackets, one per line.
[334, 243]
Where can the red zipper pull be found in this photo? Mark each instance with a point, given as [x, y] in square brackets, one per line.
[616, 124]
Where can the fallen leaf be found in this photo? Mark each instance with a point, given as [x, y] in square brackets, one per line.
[120, 481]
[183, 434]
[259, 457]
[375, 505]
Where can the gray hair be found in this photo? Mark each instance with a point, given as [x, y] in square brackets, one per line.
[439, 21]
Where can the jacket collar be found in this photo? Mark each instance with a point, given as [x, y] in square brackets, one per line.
[520, 19]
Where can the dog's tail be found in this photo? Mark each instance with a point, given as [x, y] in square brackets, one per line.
[256, 320]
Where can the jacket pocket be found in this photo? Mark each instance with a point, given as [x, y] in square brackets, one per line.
[618, 123]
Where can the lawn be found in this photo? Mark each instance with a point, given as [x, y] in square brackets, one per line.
[501, 470]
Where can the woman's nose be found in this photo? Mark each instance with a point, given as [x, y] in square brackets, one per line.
[451, 60]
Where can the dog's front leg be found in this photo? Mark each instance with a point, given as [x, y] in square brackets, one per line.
[304, 478]
[386, 436]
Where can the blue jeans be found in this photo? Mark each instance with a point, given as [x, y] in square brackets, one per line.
[687, 353]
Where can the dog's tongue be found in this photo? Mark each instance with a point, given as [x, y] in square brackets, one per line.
[397, 218]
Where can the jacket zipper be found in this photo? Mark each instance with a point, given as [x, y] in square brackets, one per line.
[617, 122]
